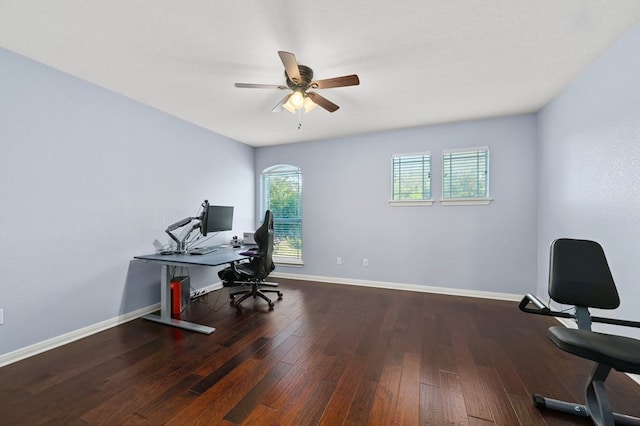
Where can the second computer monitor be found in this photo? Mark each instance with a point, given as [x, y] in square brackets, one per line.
[216, 219]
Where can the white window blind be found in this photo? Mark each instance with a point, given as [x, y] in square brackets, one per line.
[465, 174]
[411, 177]
[281, 192]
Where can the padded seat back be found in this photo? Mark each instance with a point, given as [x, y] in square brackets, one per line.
[263, 263]
[579, 275]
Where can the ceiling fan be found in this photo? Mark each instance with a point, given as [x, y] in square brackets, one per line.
[300, 80]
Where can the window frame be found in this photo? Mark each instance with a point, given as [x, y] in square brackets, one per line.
[478, 200]
[265, 202]
[412, 201]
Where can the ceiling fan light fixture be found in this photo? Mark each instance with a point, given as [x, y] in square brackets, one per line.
[309, 104]
[297, 99]
[289, 108]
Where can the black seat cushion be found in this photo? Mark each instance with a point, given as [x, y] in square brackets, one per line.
[619, 352]
[247, 271]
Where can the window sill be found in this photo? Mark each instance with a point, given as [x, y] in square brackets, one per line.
[466, 201]
[282, 261]
[410, 203]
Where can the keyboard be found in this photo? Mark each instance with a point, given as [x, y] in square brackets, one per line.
[201, 250]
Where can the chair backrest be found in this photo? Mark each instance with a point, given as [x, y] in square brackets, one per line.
[264, 239]
[579, 275]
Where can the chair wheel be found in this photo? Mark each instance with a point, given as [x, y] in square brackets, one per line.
[279, 295]
[232, 302]
[271, 305]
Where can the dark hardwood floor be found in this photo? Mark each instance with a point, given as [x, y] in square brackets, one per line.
[328, 354]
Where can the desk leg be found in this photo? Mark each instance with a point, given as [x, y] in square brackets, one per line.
[165, 308]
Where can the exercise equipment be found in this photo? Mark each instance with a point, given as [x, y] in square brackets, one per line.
[579, 275]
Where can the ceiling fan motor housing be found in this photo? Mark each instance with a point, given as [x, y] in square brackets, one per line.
[306, 74]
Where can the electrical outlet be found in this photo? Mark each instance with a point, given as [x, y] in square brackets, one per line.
[365, 262]
[1, 316]
[339, 261]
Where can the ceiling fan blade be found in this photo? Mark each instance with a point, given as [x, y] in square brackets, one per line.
[290, 66]
[323, 102]
[260, 86]
[345, 80]
[280, 106]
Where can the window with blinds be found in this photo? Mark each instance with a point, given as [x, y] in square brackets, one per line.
[281, 192]
[465, 174]
[411, 178]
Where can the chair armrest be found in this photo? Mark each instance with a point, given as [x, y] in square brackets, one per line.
[540, 308]
[251, 253]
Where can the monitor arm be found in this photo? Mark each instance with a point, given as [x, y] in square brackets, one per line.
[181, 244]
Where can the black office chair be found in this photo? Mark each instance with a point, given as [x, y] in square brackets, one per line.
[579, 275]
[254, 272]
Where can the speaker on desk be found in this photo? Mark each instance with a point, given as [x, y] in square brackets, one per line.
[180, 294]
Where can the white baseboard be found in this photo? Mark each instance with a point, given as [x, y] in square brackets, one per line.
[426, 289]
[634, 377]
[206, 289]
[46, 345]
[403, 286]
[35, 349]
[72, 336]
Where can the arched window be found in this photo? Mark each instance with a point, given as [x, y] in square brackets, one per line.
[281, 192]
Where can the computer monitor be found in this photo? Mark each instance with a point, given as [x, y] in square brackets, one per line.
[216, 218]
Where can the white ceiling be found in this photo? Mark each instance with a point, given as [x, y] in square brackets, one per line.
[420, 62]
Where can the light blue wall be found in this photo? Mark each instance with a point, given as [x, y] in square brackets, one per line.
[589, 172]
[88, 180]
[346, 211]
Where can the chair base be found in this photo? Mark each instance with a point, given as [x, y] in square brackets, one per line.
[597, 408]
[580, 410]
[255, 291]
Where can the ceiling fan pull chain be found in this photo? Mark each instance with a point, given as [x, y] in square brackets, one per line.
[299, 114]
